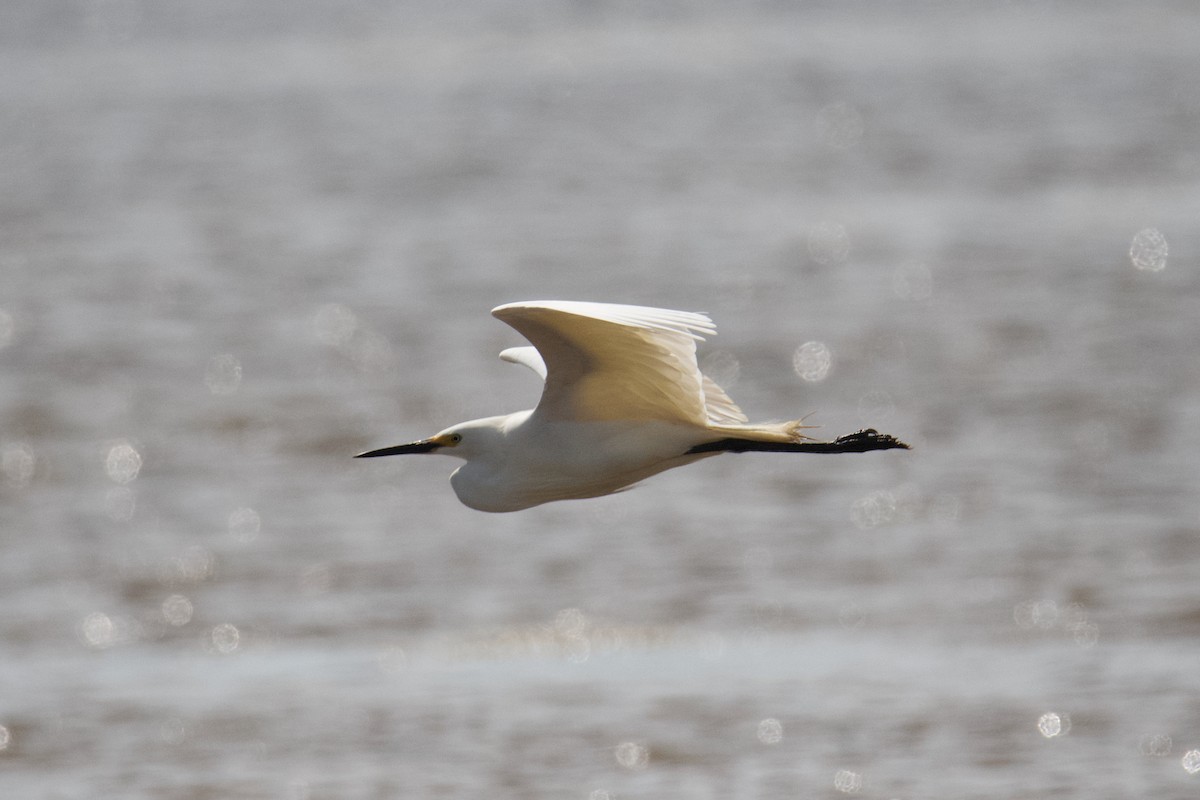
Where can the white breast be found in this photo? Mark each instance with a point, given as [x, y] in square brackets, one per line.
[548, 461]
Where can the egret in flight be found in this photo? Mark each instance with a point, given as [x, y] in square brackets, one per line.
[623, 399]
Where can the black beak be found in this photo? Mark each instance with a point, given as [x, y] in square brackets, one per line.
[423, 446]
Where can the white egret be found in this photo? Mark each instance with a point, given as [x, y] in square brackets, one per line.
[623, 399]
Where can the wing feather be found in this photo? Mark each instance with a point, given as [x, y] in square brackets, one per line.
[527, 357]
[718, 406]
[615, 362]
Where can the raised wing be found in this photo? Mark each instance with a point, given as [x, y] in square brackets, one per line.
[615, 362]
[525, 356]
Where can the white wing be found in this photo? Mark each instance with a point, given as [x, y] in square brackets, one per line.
[525, 356]
[721, 410]
[617, 362]
[719, 407]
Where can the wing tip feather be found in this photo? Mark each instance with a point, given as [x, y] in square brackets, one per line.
[690, 323]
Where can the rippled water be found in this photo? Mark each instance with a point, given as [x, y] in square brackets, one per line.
[238, 245]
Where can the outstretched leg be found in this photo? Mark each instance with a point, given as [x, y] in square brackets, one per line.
[861, 442]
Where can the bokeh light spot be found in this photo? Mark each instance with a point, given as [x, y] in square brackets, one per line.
[391, 659]
[945, 509]
[570, 626]
[244, 524]
[123, 463]
[1045, 614]
[828, 244]
[1155, 745]
[875, 509]
[723, 367]
[632, 755]
[1086, 634]
[848, 782]
[570, 622]
[912, 281]
[223, 375]
[1191, 761]
[5, 738]
[1036, 614]
[812, 361]
[101, 631]
[98, 630]
[875, 405]
[770, 731]
[1072, 614]
[1148, 252]
[576, 649]
[225, 638]
[18, 463]
[177, 610]
[1051, 724]
[196, 564]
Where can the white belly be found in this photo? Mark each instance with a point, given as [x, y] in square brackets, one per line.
[562, 461]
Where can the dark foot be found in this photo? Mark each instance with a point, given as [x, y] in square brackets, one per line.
[861, 442]
[865, 440]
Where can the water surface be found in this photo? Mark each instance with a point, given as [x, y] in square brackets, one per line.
[240, 244]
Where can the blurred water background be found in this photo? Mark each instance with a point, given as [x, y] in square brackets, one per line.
[240, 242]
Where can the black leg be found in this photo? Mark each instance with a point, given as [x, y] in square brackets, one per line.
[861, 442]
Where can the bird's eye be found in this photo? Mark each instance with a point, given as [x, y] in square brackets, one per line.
[454, 438]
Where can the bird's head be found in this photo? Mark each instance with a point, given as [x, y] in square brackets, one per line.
[465, 440]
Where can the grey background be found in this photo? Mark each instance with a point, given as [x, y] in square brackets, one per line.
[240, 242]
